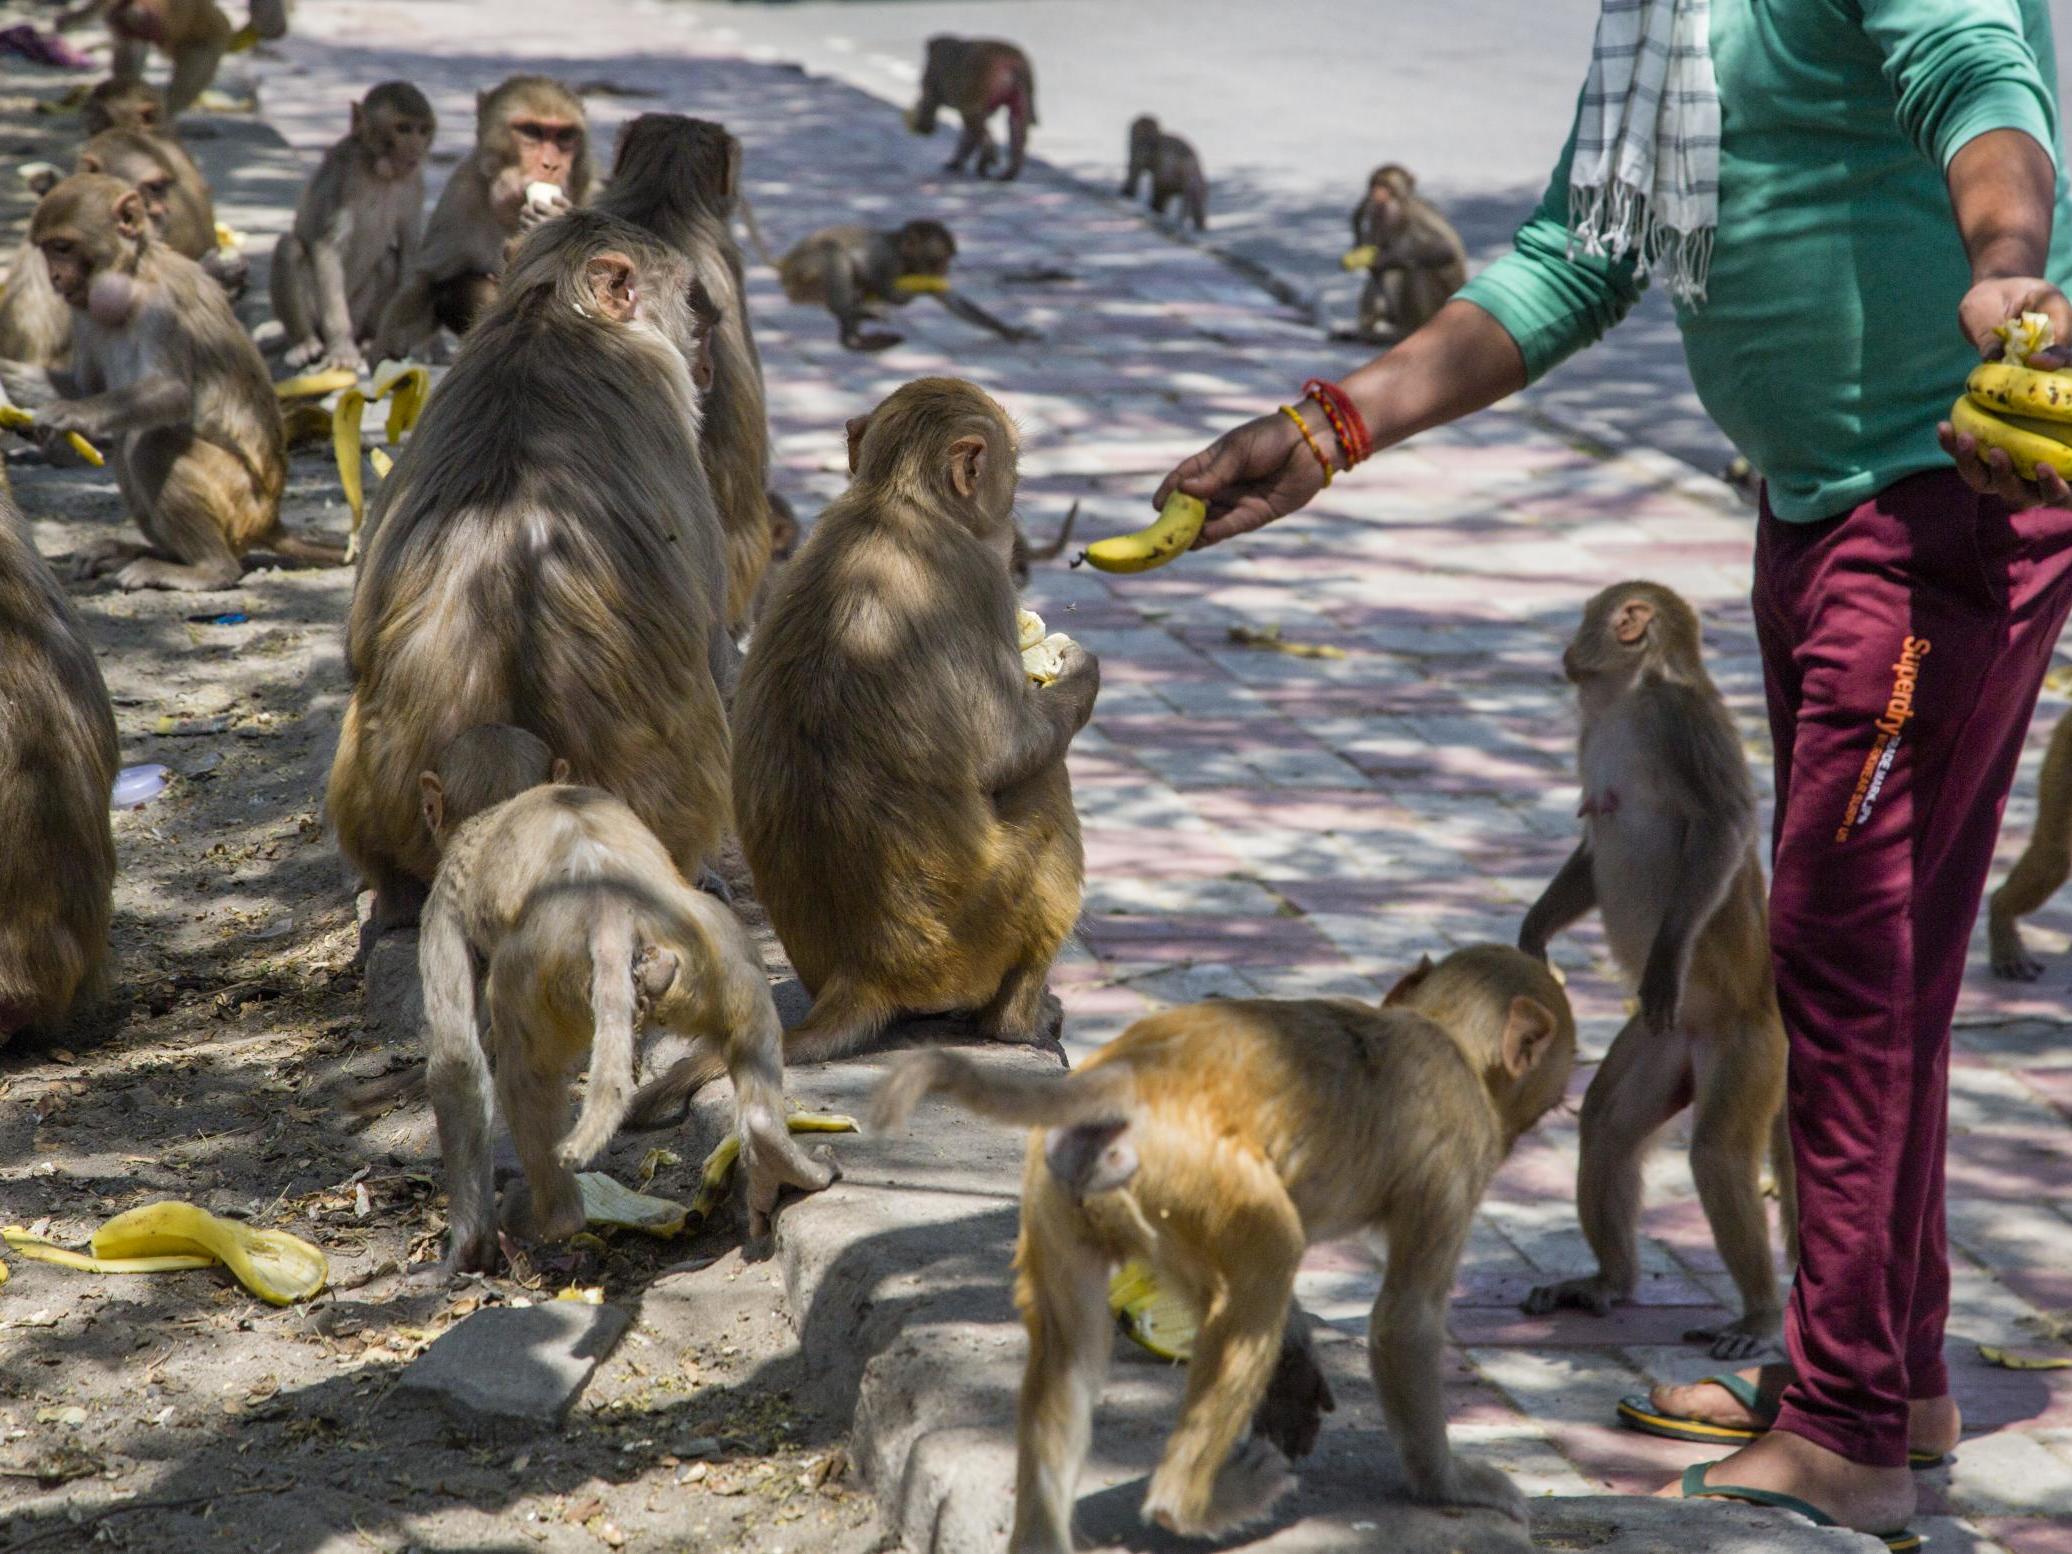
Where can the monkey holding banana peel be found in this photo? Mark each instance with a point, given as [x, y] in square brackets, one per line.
[1217, 1142]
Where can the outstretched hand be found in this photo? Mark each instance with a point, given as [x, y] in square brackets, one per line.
[1251, 475]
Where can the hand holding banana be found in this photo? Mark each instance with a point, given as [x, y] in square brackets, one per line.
[2020, 411]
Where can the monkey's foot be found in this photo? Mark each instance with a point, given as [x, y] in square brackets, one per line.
[2011, 959]
[150, 572]
[473, 1249]
[103, 556]
[303, 352]
[1475, 1484]
[1244, 1491]
[1596, 1295]
[1738, 1340]
[871, 340]
[776, 1162]
[1041, 1026]
[553, 1215]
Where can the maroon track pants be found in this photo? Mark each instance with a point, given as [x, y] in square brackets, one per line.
[1903, 646]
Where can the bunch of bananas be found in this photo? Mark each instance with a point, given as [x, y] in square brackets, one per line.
[2025, 413]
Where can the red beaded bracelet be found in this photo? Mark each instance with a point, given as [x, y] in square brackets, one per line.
[1354, 438]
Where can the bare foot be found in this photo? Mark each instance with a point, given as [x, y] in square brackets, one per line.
[1933, 1424]
[1870, 1500]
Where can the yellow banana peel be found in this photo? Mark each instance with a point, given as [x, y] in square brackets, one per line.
[345, 447]
[1151, 1316]
[2027, 442]
[1361, 258]
[2010, 390]
[1179, 522]
[159, 1237]
[608, 1203]
[381, 461]
[314, 385]
[16, 419]
[405, 387]
[718, 1169]
[920, 285]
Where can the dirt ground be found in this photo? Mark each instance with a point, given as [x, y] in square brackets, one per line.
[176, 1411]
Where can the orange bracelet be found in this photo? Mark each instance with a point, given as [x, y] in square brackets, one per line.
[1309, 437]
[1339, 429]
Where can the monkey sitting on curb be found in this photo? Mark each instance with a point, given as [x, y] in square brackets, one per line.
[1217, 1142]
[1173, 168]
[1669, 857]
[582, 928]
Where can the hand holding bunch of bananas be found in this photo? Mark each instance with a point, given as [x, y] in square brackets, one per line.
[2019, 412]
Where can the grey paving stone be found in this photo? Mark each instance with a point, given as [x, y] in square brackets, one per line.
[516, 1370]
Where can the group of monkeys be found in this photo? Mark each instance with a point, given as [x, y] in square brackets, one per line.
[553, 728]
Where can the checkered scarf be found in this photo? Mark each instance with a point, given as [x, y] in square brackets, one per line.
[1645, 176]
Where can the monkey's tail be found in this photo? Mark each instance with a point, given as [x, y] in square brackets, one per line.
[1056, 547]
[300, 547]
[613, 1004]
[1198, 203]
[1031, 1100]
[755, 233]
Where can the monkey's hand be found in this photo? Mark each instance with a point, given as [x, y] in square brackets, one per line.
[532, 213]
[1661, 990]
[1261, 471]
[346, 358]
[83, 416]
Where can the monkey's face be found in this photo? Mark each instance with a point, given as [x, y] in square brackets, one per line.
[545, 147]
[400, 143]
[157, 191]
[71, 268]
[1626, 627]
[926, 248]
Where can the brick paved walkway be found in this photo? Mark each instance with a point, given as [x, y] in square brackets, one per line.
[1257, 822]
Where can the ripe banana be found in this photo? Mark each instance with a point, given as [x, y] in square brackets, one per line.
[16, 419]
[1361, 258]
[314, 385]
[2026, 441]
[917, 285]
[2021, 391]
[1179, 522]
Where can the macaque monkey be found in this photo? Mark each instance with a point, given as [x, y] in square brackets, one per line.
[857, 272]
[1217, 1142]
[356, 231]
[561, 908]
[1419, 260]
[1668, 857]
[546, 553]
[193, 34]
[2042, 867]
[974, 78]
[529, 130]
[680, 178]
[124, 104]
[35, 323]
[900, 782]
[1174, 170]
[165, 378]
[57, 764]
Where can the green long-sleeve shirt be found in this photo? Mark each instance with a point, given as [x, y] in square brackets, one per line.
[1827, 347]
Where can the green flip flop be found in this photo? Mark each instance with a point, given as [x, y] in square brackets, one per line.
[1638, 1412]
[1694, 1487]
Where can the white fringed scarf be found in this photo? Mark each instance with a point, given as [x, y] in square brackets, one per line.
[1645, 176]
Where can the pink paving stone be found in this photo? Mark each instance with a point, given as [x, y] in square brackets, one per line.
[1309, 809]
[1624, 1461]
[2050, 1288]
[2054, 1084]
[2027, 1167]
[1503, 1292]
[1993, 1397]
[2026, 1535]
[1483, 1326]
[1278, 942]
[1144, 853]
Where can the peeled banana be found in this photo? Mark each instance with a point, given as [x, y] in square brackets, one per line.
[1043, 655]
[1361, 258]
[2026, 440]
[1179, 522]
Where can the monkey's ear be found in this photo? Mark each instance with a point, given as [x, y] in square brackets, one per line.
[1528, 1033]
[558, 772]
[89, 162]
[130, 219]
[611, 280]
[968, 459]
[1631, 621]
[1407, 984]
[856, 426]
[40, 177]
[431, 795]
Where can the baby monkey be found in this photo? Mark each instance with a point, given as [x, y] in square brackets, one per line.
[583, 931]
[1217, 1142]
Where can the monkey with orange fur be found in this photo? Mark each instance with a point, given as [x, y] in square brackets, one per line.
[975, 77]
[528, 130]
[194, 34]
[163, 373]
[560, 906]
[1218, 1142]
[1668, 857]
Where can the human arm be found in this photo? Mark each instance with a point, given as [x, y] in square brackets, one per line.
[1528, 311]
